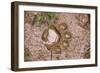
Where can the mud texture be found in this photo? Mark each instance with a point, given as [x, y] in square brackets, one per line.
[73, 30]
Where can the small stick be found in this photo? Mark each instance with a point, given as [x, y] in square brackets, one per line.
[51, 55]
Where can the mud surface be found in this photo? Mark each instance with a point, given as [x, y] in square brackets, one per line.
[77, 36]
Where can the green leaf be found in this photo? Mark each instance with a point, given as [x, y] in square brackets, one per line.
[46, 17]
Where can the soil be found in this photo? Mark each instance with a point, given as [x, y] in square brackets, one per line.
[74, 41]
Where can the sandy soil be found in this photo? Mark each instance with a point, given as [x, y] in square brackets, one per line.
[78, 45]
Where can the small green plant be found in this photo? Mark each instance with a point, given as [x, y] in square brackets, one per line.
[44, 18]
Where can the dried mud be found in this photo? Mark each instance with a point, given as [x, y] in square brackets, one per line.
[78, 43]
